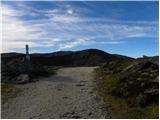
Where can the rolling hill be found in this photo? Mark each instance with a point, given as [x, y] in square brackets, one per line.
[88, 57]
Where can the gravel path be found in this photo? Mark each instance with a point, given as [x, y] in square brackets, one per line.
[68, 94]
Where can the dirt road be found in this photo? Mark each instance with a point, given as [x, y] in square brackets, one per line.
[68, 94]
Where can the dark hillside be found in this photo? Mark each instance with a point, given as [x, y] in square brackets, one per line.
[88, 57]
[7, 57]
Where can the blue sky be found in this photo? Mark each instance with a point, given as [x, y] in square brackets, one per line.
[127, 28]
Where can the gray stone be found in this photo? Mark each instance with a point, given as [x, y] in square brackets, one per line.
[23, 78]
[152, 91]
[79, 85]
[156, 80]
[141, 99]
[65, 97]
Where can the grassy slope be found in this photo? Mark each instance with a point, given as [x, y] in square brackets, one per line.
[120, 107]
[8, 91]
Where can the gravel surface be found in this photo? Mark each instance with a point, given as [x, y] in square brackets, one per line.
[68, 94]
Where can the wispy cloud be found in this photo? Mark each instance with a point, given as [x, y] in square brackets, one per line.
[66, 28]
[74, 44]
[15, 32]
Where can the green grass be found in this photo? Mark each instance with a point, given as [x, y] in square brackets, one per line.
[120, 107]
[8, 91]
[7, 88]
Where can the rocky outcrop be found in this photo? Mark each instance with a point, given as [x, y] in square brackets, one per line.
[154, 59]
[141, 80]
[21, 71]
[116, 66]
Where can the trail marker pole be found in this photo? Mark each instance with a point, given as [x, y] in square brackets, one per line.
[27, 53]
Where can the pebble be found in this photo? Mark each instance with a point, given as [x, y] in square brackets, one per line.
[65, 97]
[79, 85]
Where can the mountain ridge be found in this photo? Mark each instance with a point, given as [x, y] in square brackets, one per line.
[87, 57]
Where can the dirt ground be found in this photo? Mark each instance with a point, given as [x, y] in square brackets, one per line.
[68, 94]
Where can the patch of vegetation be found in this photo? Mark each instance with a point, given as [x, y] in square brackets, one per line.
[17, 69]
[6, 88]
[8, 91]
[116, 66]
[121, 107]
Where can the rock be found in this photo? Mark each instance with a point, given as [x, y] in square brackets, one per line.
[34, 80]
[152, 91]
[157, 117]
[76, 117]
[16, 67]
[143, 68]
[23, 78]
[71, 115]
[82, 81]
[79, 85]
[156, 80]
[141, 100]
[65, 97]
[139, 79]
[90, 113]
[100, 78]
[90, 92]
[59, 89]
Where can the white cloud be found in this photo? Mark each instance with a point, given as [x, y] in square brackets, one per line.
[112, 42]
[7, 11]
[16, 32]
[70, 11]
[64, 19]
[16, 44]
[51, 42]
[67, 28]
[74, 44]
